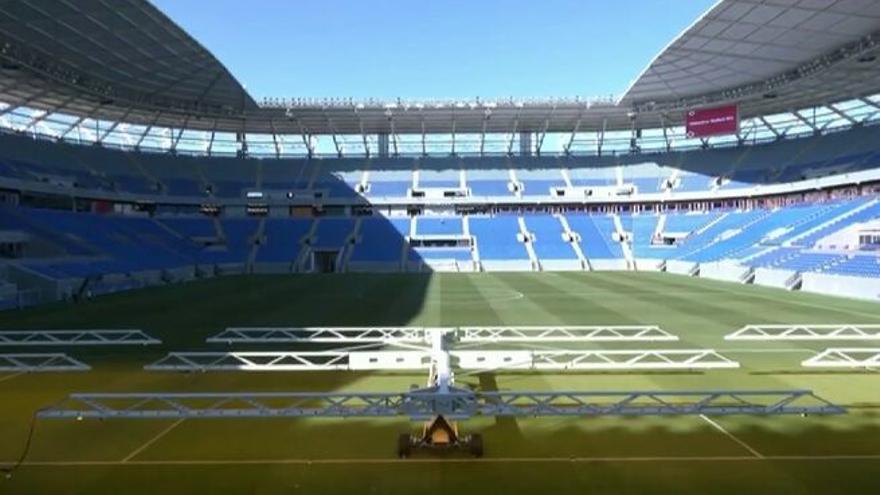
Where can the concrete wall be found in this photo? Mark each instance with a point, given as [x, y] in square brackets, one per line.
[507, 266]
[773, 277]
[613, 264]
[841, 285]
[723, 270]
[561, 265]
[648, 264]
[680, 267]
[271, 268]
[376, 267]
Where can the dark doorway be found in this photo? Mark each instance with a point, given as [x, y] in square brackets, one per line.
[325, 261]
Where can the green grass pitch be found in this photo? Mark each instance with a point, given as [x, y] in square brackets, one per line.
[839, 454]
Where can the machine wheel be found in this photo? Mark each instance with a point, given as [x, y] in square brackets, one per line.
[404, 446]
[476, 445]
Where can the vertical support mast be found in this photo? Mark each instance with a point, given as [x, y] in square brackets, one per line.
[441, 366]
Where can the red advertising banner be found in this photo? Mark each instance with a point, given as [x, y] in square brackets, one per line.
[712, 121]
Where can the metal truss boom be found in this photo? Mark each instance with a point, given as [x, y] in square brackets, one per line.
[251, 361]
[340, 360]
[75, 337]
[595, 360]
[806, 332]
[43, 362]
[524, 334]
[839, 357]
[427, 403]
[292, 361]
[600, 333]
[248, 335]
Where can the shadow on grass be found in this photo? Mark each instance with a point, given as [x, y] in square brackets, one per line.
[506, 426]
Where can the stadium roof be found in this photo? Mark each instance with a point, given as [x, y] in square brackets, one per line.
[738, 43]
[125, 50]
[124, 60]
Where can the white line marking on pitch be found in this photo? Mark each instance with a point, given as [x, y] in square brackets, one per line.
[489, 460]
[152, 440]
[731, 436]
[10, 377]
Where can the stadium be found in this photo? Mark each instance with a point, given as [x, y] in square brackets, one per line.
[673, 290]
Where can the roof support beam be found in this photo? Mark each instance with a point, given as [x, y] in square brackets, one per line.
[424, 146]
[241, 140]
[336, 145]
[275, 139]
[601, 140]
[666, 134]
[487, 114]
[393, 134]
[114, 126]
[147, 131]
[826, 125]
[173, 148]
[453, 134]
[9, 109]
[513, 135]
[211, 140]
[867, 101]
[364, 139]
[806, 121]
[47, 113]
[543, 133]
[304, 135]
[842, 114]
[868, 117]
[577, 126]
[772, 129]
[79, 121]
[333, 133]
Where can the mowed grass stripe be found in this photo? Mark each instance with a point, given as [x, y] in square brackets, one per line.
[800, 305]
[673, 312]
[522, 311]
[574, 306]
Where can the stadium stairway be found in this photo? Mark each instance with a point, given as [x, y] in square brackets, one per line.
[721, 242]
[821, 217]
[529, 243]
[622, 235]
[347, 253]
[574, 241]
[259, 239]
[809, 237]
[551, 243]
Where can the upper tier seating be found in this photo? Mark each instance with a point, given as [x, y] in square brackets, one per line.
[81, 167]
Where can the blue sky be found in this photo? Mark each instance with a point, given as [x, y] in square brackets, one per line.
[434, 49]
